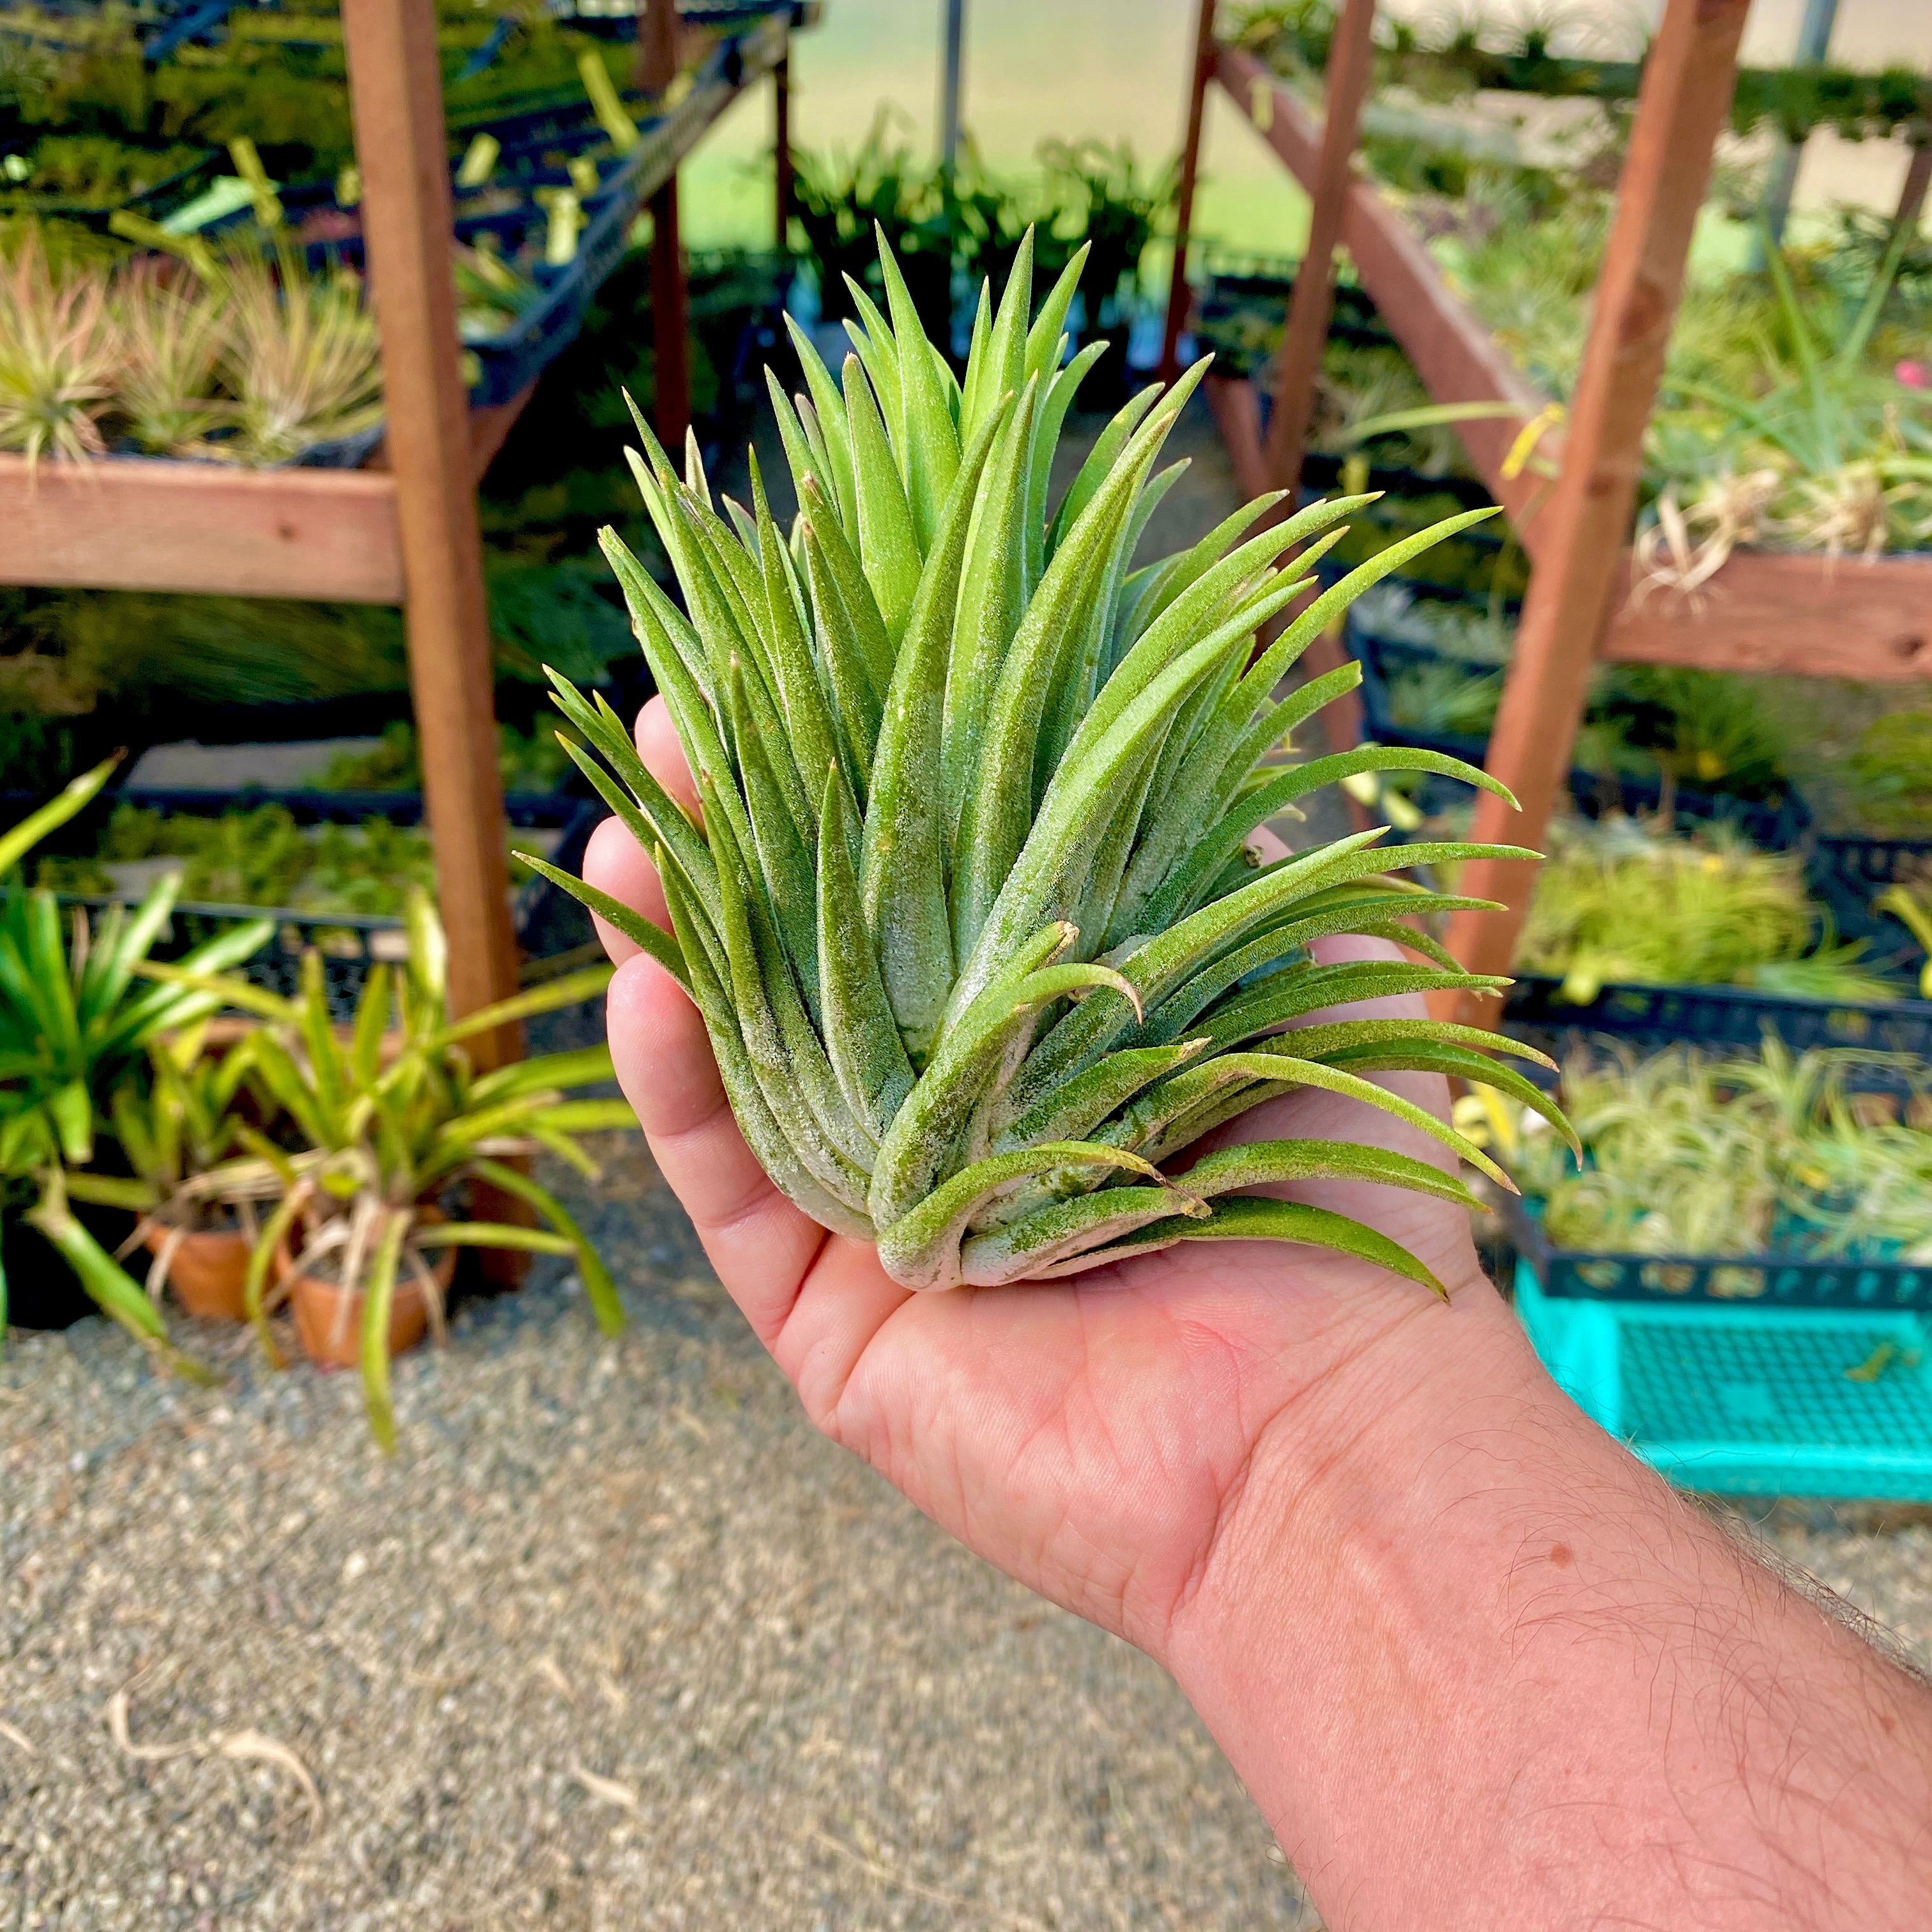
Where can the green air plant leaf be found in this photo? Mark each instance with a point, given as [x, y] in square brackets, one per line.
[970, 910]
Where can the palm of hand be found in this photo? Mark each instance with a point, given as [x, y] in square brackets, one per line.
[1091, 1437]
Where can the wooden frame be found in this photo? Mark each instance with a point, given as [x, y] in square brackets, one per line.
[402, 531]
[1843, 618]
[1763, 611]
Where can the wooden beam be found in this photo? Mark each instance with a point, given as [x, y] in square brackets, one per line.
[657, 68]
[1176, 321]
[1681, 107]
[1911, 192]
[396, 95]
[1796, 614]
[134, 524]
[1312, 307]
[1456, 357]
[781, 168]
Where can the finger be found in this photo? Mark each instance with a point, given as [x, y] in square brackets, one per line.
[1341, 948]
[759, 1243]
[663, 755]
[615, 863]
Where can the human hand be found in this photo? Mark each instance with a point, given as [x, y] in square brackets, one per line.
[1094, 1437]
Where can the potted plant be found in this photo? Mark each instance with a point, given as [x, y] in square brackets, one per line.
[178, 1128]
[75, 1022]
[389, 1124]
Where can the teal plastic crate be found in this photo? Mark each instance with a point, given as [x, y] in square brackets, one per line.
[1738, 1400]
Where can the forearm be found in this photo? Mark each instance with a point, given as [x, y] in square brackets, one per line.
[1479, 1666]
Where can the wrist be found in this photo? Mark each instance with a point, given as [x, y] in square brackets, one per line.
[1478, 1665]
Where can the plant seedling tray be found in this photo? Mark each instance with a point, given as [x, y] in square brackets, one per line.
[1730, 1019]
[1846, 873]
[1736, 1399]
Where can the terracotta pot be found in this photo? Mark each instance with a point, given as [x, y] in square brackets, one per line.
[207, 1271]
[334, 1340]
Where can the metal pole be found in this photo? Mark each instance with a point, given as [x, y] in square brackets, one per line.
[1184, 207]
[949, 90]
[1814, 38]
[657, 68]
[1684, 101]
[396, 92]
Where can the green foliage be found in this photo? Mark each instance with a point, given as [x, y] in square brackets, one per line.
[396, 1115]
[1089, 192]
[75, 1024]
[971, 915]
[261, 857]
[1619, 903]
[1709, 731]
[1689, 1154]
[1891, 772]
[247, 361]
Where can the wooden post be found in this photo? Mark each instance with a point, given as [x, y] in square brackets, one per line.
[1912, 196]
[396, 93]
[1684, 99]
[657, 68]
[1312, 307]
[781, 184]
[1183, 206]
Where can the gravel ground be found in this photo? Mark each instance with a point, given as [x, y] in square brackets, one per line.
[616, 1640]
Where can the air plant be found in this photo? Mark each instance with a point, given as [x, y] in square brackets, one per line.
[1913, 911]
[971, 915]
[1686, 1153]
[303, 360]
[172, 333]
[59, 354]
[1891, 768]
[1444, 696]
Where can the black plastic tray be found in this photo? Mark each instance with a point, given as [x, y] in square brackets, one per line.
[1729, 1018]
[1756, 1281]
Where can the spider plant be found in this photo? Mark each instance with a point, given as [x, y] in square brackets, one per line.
[1620, 902]
[1687, 1153]
[59, 355]
[75, 1022]
[396, 1116]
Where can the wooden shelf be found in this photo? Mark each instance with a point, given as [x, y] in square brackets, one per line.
[153, 524]
[1797, 613]
[130, 524]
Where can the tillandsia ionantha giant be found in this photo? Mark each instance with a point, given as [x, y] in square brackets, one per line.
[969, 910]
